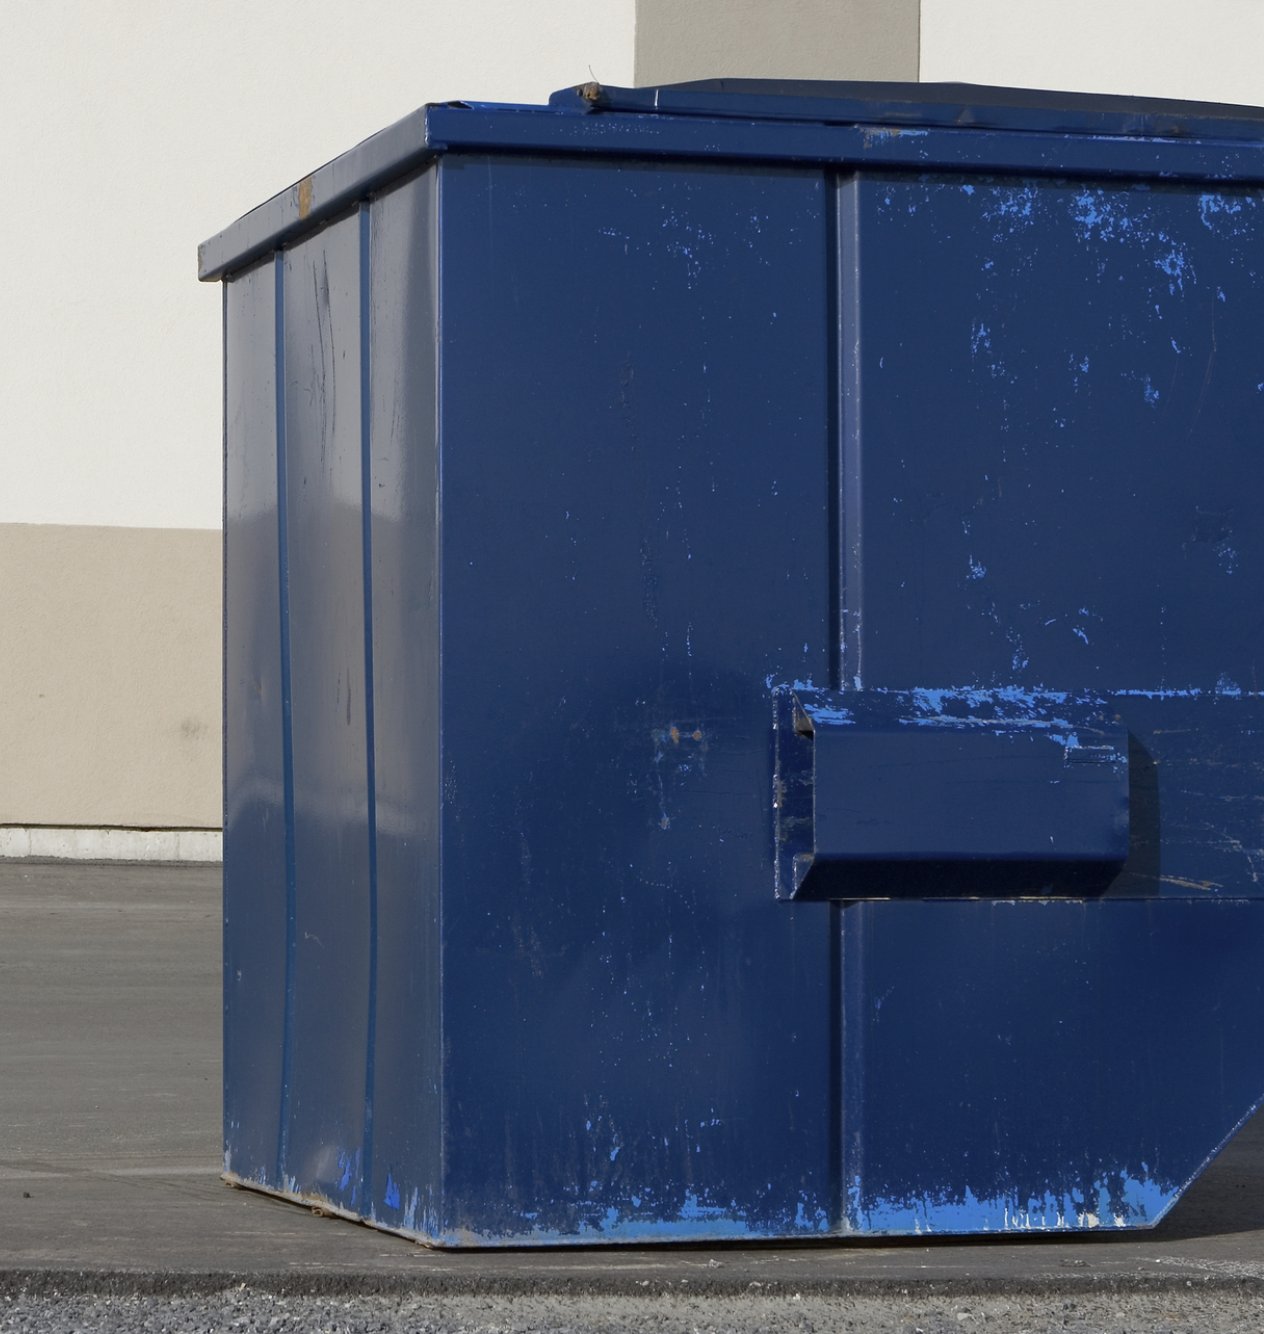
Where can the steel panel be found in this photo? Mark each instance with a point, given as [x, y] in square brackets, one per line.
[1043, 1066]
[402, 470]
[254, 771]
[330, 946]
[635, 378]
[1063, 503]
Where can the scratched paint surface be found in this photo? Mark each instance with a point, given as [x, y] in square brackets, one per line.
[1069, 499]
[1043, 1065]
[1055, 472]
[635, 508]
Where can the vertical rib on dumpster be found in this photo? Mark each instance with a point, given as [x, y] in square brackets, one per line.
[326, 621]
[404, 514]
[254, 778]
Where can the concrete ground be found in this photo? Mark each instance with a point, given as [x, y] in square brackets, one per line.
[109, 1188]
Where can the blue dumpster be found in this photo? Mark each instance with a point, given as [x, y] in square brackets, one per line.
[744, 664]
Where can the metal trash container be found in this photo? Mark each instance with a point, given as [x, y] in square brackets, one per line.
[743, 664]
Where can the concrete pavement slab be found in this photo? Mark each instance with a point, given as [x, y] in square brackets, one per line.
[110, 1147]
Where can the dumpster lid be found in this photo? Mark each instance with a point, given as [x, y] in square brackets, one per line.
[946, 105]
[746, 118]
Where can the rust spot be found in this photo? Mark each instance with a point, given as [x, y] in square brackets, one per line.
[696, 734]
[304, 196]
[674, 733]
[590, 92]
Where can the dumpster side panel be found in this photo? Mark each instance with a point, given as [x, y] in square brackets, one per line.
[328, 970]
[636, 468]
[1061, 403]
[1057, 409]
[254, 767]
[1044, 1065]
[402, 496]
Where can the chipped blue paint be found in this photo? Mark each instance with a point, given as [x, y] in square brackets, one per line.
[391, 1196]
[1011, 204]
[1216, 210]
[1114, 1201]
[840, 717]
[1174, 264]
[641, 1219]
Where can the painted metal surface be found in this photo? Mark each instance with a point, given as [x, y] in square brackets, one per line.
[889, 794]
[557, 480]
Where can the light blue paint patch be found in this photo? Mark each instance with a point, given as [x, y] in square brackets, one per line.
[839, 717]
[1174, 265]
[1186, 692]
[1213, 207]
[1122, 1202]
[1150, 392]
[391, 1197]
[1226, 687]
[935, 700]
[614, 1153]
[967, 189]
[1088, 211]
[1010, 204]
[977, 568]
[694, 1221]
[816, 1221]
[1098, 217]
[1078, 632]
[883, 132]
[1144, 1199]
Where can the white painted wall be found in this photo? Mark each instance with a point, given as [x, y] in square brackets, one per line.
[130, 130]
[1203, 50]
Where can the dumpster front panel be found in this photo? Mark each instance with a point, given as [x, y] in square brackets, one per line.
[635, 378]
[255, 826]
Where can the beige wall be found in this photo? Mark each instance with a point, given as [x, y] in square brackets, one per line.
[678, 40]
[109, 662]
